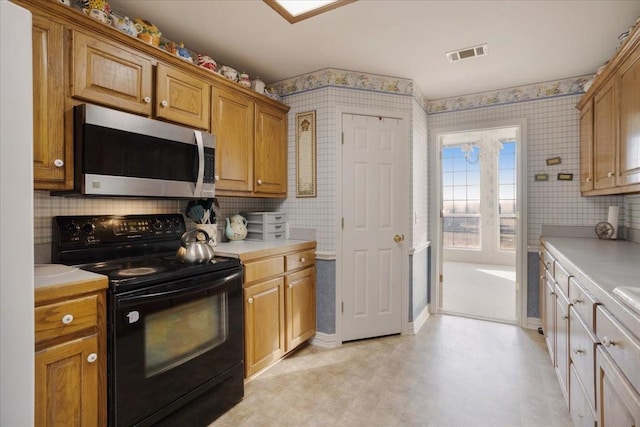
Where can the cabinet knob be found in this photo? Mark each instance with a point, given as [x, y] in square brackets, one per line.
[303, 259]
[578, 350]
[164, 103]
[217, 177]
[565, 317]
[259, 182]
[250, 300]
[290, 285]
[610, 174]
[552, 293]
[147, 99]
[67, 318]
[58, 163]
[577, 301]
[92, 358]
[588, 179]
[607, 342]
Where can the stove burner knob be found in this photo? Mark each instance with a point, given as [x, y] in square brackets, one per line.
[167, 223]
[176, 222]
[88, 228]
[157, 224]
[73, 228]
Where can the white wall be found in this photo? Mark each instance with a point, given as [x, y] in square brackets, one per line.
[16, 218]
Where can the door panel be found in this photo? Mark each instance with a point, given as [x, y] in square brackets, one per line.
[373, 159]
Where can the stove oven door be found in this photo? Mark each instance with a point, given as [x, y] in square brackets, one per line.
[171, 343]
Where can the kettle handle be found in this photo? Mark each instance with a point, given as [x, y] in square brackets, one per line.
[185, 237]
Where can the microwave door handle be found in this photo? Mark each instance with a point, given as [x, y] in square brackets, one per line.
[198, 190]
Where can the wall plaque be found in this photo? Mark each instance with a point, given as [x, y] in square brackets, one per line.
[306, 154]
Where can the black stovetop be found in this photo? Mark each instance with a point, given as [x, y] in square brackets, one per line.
[133, 250]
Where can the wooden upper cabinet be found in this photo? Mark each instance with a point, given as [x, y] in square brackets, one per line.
[52, 160]
[270, 151]
[605, 136]
[586, 148]
[182, 97]
[232, 124]
[629, 142]
[111, 75]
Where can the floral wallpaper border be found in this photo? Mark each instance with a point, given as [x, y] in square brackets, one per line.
[331, 77]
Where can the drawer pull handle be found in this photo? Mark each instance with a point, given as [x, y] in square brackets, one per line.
[67, 318]
[303, 259]
[552, 293]
[588, 179]
[577, 301]
[147, 100]
[607, 342]
[250, 300]
[164, 103]
[565, 317]
[259, 182]
[58, 163]
[278, 226]
[92, 358]
[578, 350]
[610, 174]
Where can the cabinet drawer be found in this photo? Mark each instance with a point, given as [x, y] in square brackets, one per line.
[582, 354]
[266, 217]
[620, 344]
[54, 320]
[582, 301]
[257, 270]
[300, 259]
[548, 259]
[562, 277]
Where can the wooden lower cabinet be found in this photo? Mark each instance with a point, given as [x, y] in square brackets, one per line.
[279, 304]
[70, 354]
[618, 401]
[300, 307]
[67, 378]
[264, 324]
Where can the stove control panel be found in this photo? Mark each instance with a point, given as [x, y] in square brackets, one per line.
[99, 229]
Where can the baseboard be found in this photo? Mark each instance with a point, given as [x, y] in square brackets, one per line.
[416, 325]
[325, 340]
[533, 323]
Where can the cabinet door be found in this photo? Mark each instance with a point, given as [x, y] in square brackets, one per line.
[605, 136]
[542, 288]
[270, 151]
[300, 306]
[67, 388]
[562, 343]
[182, 97]
[618, 402]
[232, 124]
[52, 159]
[629, 148]
[586, 148]
[111, 75]
[264, 324]
[550, 319]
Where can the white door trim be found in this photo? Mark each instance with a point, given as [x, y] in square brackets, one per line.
[435, 225]
[404, 291]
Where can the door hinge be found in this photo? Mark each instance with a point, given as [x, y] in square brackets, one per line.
[342, 308]
[343, 222]
[441, 278]
[342, 138]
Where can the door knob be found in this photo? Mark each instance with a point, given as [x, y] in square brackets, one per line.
[398, 238]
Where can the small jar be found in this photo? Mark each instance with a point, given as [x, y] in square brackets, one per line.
[244, 80]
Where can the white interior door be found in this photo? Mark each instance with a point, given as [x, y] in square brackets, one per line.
[372, 239]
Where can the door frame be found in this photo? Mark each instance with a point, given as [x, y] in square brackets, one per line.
[435, 201]
[404, 289]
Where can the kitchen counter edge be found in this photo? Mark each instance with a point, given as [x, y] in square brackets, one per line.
[249, 250]
[62, 286]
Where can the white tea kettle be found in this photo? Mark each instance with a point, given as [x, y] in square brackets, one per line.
[236, 228]
[195, 251]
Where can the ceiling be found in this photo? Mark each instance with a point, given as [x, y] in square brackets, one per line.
[528, 41]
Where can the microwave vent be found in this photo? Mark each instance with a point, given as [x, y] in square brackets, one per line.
[470, 52]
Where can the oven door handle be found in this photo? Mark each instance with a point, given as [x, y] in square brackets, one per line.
[127, 301]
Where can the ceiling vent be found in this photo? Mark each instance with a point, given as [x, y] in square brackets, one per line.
[469, 52]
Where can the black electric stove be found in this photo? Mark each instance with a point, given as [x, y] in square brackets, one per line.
[133, 250]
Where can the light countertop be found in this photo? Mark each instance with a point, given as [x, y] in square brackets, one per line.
[57, 281]
[251, 249]
[601, 266]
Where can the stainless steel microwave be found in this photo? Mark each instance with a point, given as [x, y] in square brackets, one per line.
[121, 154]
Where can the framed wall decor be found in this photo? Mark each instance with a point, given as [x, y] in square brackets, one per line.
[306, 154]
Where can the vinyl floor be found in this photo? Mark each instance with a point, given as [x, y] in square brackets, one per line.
[454, 372]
